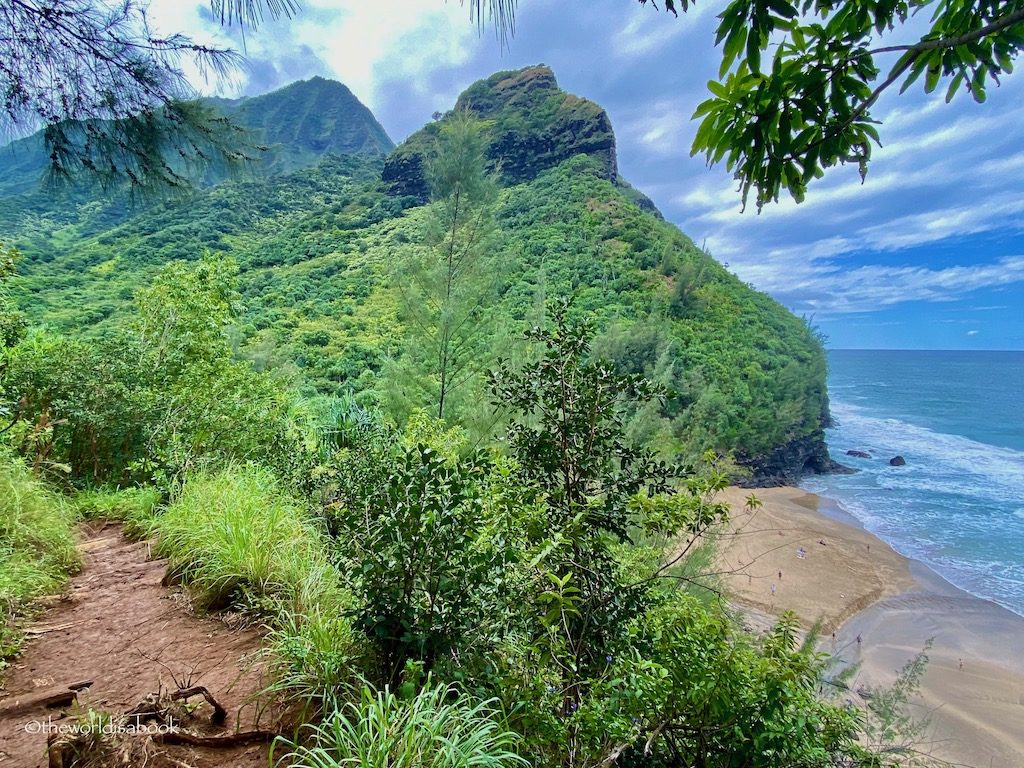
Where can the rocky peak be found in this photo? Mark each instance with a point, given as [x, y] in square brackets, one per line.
[532, 125]
[520, 90]
[308, 119]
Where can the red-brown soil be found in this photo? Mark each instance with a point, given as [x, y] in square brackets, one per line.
[119, 627]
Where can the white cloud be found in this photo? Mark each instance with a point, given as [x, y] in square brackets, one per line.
[830, 289]
[957, 132]
[999, 211]
[409, 39]
[648, 30]
[661, 129]
[940, 176]
[973, 333]
[360, 42]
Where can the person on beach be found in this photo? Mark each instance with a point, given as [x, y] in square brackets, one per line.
[780, 575]
[858, 642]
[773, 590]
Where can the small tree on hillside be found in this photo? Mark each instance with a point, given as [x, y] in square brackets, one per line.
[446, 289]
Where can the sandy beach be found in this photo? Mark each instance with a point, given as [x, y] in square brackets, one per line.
[836, 572]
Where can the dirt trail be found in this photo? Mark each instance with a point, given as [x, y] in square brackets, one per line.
[131, 636]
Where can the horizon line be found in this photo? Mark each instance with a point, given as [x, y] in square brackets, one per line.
[916, 349]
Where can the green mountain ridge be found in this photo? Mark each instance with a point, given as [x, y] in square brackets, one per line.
[288, 129]
[317, 236]
[305, 120]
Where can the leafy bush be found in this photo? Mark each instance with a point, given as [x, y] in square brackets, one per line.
[37, 544]
[435, 729]
[719, 697]
[420, 568]
[154, 401]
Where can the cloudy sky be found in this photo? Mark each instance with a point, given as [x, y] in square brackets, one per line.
[928, 253]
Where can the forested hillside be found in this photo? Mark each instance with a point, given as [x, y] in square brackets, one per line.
[326, 233]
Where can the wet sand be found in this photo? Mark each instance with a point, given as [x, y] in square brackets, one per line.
[856, 585]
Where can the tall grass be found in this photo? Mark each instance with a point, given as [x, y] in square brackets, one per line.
[132, 506]
[37, 544]
[237, 538]
[436, 729]
[314, 660]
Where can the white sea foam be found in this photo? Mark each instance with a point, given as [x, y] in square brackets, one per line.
[964, 462]
[956, 505]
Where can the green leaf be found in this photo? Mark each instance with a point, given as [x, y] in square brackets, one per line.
[733, 47]
[718, 89]
[956, 82]
[753, 53]
[782, 8]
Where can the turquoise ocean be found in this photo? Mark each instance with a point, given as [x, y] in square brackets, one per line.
[957, 417]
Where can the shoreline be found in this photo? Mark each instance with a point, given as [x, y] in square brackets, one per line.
[860, 587]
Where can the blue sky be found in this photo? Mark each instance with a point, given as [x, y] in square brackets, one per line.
[928, 253]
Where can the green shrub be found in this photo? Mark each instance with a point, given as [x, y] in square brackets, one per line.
[436, 729]
[37, 544]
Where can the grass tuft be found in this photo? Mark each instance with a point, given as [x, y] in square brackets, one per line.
[438, 728]
[238, 539]
[314, 660]
[37, 545]
[134, 507]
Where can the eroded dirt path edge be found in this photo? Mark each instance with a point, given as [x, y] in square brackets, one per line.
[129, 636]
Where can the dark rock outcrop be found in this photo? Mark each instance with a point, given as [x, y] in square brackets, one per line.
[404, 174]
[530, 125]
[897, 461]
[790, 462]
[858, 454]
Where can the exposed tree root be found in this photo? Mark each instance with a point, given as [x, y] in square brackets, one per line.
[52, 698]
[67, 749]
[221, 742]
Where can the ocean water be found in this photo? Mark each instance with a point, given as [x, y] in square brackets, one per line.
[958, 420]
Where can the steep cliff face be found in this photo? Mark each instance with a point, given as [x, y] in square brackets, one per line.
[532, 125]
[788, 463]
